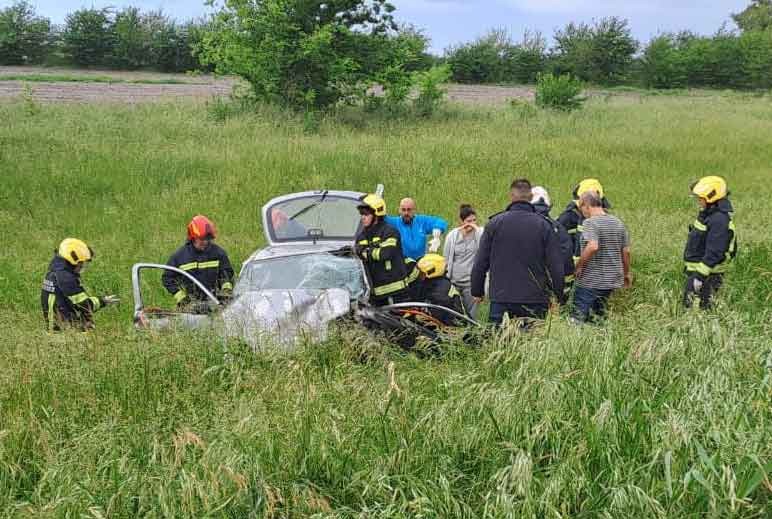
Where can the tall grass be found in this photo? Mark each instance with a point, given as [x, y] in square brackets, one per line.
[661, 413]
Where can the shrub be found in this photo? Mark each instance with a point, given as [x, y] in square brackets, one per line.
[24, 36]
[304, 55]
[558, 92]
[430, 89]
[88, 37]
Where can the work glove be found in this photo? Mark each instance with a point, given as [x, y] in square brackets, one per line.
[226, 296]
[110, 300]
[363, 253]
[184, 302]
[434, 243]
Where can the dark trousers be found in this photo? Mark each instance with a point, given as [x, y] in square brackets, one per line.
[590, 303]
[709, 288]
[523, 311]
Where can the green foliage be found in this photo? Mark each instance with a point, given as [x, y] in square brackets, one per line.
[24, 37]
[130, 50]
[725, 60]
[496, 58]
[601, 53]
[89, 37]
[430, 89]
[660, 413]
[756, 17]
[559, 92]
[304, 55]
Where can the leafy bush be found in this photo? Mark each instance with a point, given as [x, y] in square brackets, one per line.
[430, 89]
[304, 55]
[24, 36]
[662, 64]
[88, 37]
[558, 92]
[601, 53]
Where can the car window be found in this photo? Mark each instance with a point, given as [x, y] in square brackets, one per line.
[309, 271]
[325, 217]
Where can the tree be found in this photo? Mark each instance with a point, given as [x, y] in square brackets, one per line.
[24, 36]
[89, 37]
[130, 50]
[756, 17]
[601, 53]
[298, 53]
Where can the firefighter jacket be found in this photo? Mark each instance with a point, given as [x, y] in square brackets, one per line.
[379, 248]
[211, 267]
[440, 291]
[712, 242]
[566, 242]
[64, 300]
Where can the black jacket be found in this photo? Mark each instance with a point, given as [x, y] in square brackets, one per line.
[64, 300]
[566, 243]
[522, 252]
[380, 249]
[712, 242]
[440, 291]
[211, 267]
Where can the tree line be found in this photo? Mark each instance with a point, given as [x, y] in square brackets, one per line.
[126, 39]
[312, 55]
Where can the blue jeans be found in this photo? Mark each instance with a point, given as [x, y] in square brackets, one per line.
[590, 303]
[516, 310]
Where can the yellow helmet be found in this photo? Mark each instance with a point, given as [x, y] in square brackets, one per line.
[588, 184]
[375, 203]
[432, 265]
[75, 251]
[711, 189]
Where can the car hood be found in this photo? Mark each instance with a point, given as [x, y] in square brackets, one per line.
[286, 318]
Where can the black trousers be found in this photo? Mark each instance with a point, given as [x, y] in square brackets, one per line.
[709, 288]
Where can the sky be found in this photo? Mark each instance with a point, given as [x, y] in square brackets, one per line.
[449, 22]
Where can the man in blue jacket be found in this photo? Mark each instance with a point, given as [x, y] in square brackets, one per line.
[415, 228]
[521, 250]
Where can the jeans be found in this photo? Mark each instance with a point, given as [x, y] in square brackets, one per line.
[589, 303]
[521, 311]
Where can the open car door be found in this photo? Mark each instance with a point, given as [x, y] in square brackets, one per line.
[159, 318]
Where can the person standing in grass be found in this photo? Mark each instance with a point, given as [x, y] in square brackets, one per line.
[572, 218]
[415, 228]
[541, 202]
[521, 251]
[201, 258]
[65, 302]
[711, 244]
[460, 249]
[604, 263]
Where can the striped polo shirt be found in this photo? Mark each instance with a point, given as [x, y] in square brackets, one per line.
[604, 271]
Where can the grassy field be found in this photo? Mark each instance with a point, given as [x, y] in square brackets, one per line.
[661, 413]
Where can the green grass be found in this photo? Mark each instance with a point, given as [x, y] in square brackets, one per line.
[67, 78]
[661, 413]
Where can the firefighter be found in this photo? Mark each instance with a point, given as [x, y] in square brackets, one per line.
[65, 302]
[434, 287]
[378, 245]
[571, 218]
[542, 204]
[712, 242]
[202, 259]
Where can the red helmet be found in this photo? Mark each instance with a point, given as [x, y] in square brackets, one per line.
[201, 227]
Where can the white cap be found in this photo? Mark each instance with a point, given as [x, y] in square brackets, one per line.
[540, 194]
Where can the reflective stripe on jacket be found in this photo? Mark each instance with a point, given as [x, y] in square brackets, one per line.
[379, 248]
[712, 242]
[211, 267]
[63, 299]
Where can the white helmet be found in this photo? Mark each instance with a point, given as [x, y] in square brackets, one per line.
[540, 195]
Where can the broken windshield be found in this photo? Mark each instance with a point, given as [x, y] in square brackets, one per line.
[305, 271]
[319, 217]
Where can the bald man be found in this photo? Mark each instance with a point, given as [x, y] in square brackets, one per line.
[415, 228]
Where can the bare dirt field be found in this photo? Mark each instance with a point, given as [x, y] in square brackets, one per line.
[179, 86]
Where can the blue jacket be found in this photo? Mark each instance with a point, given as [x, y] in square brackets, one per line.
[414, 235]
